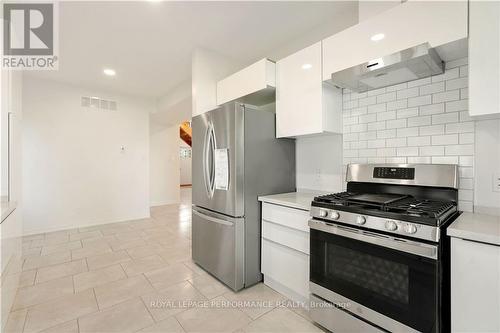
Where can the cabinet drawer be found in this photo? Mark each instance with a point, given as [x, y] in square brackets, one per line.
[289, 217]
[286, 266]
[295, 239]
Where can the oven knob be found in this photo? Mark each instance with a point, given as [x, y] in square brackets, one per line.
[323, 213]
[410, 229]
[361, 220]
[391, 225]
[335, 215]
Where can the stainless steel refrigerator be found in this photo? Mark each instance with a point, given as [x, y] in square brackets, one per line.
[236, 158]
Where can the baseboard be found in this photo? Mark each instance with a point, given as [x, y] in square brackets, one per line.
[85, 225]
[291, 294]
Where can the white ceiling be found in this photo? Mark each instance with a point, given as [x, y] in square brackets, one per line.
[149, 44]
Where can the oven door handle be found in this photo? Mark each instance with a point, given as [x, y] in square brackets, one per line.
[399, 244]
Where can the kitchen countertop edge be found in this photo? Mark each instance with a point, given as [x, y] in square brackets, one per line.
[476, 227]
[298, 200]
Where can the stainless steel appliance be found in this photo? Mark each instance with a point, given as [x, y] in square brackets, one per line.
[236, 158]
[406, 65]
[378, 252]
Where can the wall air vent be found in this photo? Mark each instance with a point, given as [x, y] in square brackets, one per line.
[98, 103]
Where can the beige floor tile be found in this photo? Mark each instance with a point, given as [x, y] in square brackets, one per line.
[176, 255]
[129, 316]
[43, 292]
[51, 240]
[259, 292]
[27, 278]
[57, 271]
[169, 325]
[212, 319]
[98, 277]
[118, 291]
[85, 235]
[194, 267]
[143, 265]
[30, 238]
[209, 286]
[281, 320]
[107, 259]
[48, 260]
[61, 247]
[31, 252]
[117, 245]
[165, 277]
[69, 327]
[145, 251]
[115, 229]
[15, 322]
[60, 311]
[171, 301]
[91, 251]
[129, 236]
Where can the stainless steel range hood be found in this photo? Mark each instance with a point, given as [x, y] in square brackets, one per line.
[407, 65]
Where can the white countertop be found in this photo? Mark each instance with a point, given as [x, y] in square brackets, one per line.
[299, 200]
[476, 227]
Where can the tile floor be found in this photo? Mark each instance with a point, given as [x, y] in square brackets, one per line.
[137, 276]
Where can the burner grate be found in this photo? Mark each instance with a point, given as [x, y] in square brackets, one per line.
[405, 205]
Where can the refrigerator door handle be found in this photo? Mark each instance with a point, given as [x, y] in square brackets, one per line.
[212, 219]
[208, 160]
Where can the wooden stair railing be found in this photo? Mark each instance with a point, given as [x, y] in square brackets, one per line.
[186, 133]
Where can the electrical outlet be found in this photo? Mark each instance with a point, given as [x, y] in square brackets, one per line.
[496, 182]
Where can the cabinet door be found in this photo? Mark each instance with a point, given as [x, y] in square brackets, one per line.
[475, 286]
[404, 26]
[484, 58]
[299, 93]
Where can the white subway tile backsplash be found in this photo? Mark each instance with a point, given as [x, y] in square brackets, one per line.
[387, 97]
[386, 134]
[407, 93]
[407, 113]
[455, 106]
[432, 151]
[399, 123]
[465, 195]
[407, 151]
[379, 125]
[457, 83]
[445, 118]
[448, 139]
[446, 96]
[421, 100]
[419, 121]
[432, 88]
[432, 130]
[396, 105]
[431, 109]
[419, 141]
[396, 142]
[388, 115]
[405, 132]
[419, 82]
[456, 63]
[422, 121]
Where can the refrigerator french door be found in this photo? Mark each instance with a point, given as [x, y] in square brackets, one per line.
[236, 158]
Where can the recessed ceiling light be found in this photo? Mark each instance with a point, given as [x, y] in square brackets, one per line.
[377, 37]
[109, 72]
[307, 66]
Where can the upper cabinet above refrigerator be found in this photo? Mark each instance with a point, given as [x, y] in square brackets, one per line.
[405, 26]
[304, 104]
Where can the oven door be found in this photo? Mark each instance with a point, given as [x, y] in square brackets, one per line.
[390, 282]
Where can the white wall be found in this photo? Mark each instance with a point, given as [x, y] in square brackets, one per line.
[208, 67]
[74, 170]
[370, 8]
[164, 166]
[12, 227]
[487, 165]
[319, 163]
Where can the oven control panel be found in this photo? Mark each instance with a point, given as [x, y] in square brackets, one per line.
[394, 173]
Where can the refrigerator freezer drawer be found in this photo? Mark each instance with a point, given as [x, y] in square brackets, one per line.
[218, 246]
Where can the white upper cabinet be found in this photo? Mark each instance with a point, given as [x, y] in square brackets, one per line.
[404, 26]
[304, 104]
[484, 58]
[254, 84]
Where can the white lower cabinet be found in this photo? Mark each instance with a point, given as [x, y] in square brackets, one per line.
[285, 251]
[475, 286]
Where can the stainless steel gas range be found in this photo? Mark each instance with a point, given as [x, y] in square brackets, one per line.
[378, 253]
